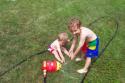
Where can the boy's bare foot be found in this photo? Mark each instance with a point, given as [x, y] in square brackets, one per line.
[82, 71]
[78, 59]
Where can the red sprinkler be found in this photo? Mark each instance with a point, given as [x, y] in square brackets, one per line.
[50, 66]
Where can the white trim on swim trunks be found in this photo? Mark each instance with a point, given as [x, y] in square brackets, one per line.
[50, 49]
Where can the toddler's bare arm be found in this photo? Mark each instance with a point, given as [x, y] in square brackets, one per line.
[60, 53]
[57, 56]
[65, 51]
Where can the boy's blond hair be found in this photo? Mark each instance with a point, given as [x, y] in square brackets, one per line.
[74, 21]
[63, 37]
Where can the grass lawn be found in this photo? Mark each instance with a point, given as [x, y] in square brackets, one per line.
[29, 26]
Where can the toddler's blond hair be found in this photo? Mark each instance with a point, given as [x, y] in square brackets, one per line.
[63, 37]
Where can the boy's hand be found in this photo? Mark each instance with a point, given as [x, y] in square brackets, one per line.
[72, 57]
[70, 52]
[69, 55]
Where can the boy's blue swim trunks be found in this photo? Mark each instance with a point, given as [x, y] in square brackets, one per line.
[93, 48]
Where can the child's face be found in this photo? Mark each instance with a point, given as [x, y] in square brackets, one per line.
[75, 30]
[63, 43]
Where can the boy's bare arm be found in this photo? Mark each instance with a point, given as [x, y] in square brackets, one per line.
[73, 44]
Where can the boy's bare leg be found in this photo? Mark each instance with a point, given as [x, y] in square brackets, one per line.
[87, 64]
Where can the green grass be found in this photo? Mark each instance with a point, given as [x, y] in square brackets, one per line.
[29, 26]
